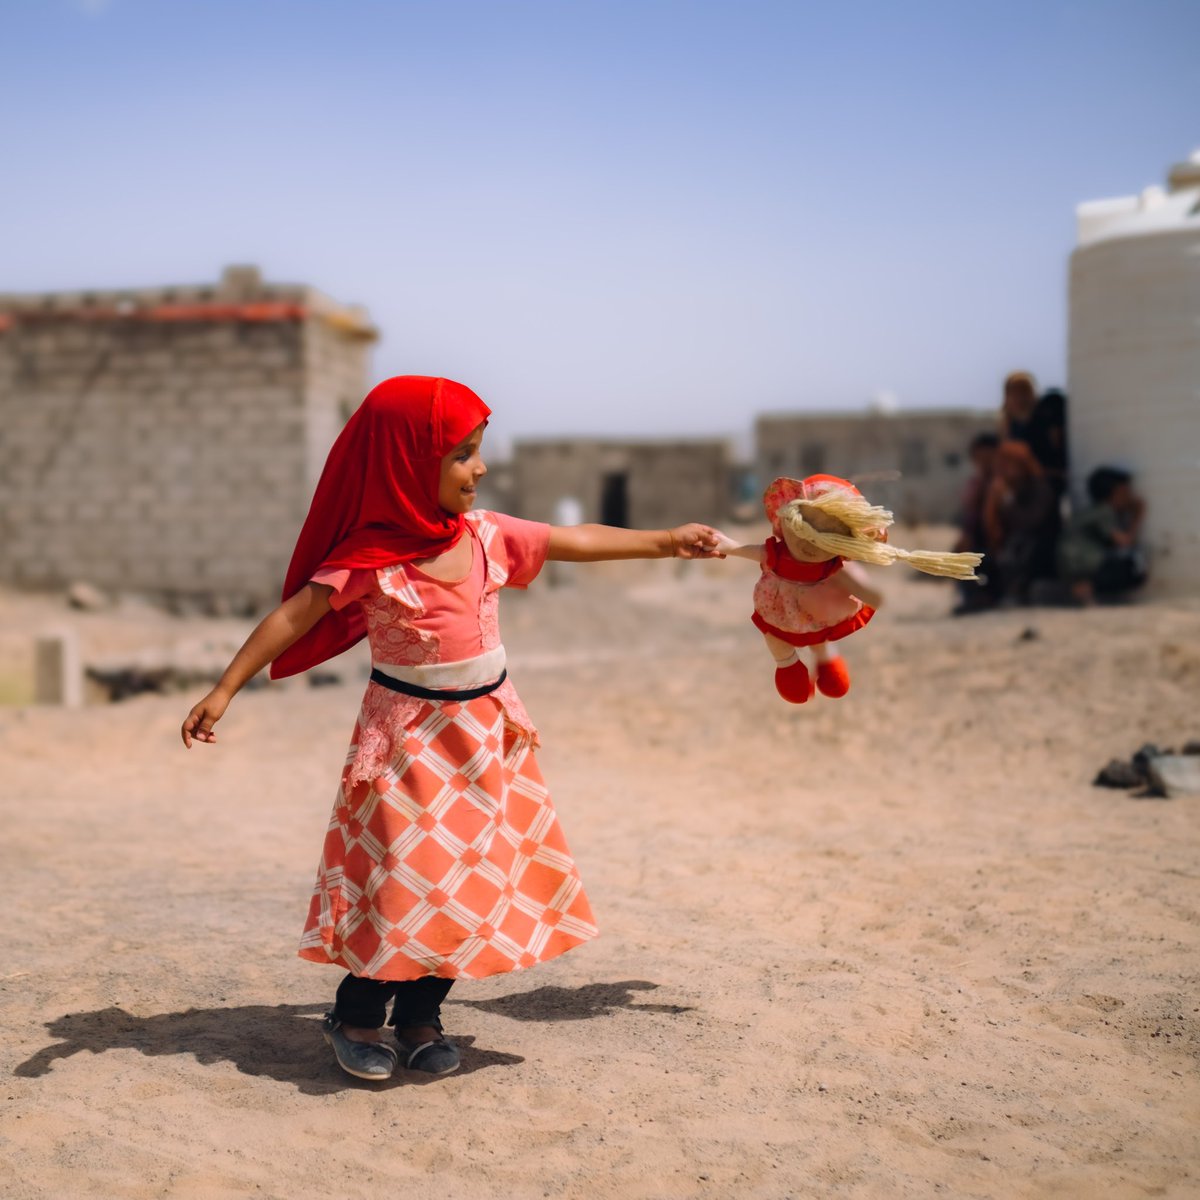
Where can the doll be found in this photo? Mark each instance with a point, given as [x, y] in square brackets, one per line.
[807, 595]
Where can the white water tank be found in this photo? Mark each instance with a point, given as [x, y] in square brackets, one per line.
[1134, 361]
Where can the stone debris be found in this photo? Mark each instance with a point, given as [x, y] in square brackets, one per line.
[1119, 774]
[1175, 774]
[122, 682]
[87, 597]
[1161, 773]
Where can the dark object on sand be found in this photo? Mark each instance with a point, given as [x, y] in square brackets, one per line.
[1119, 774]
[1161, 773]
[122, 682]
[1143, 756]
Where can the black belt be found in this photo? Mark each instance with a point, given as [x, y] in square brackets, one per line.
[411, 689]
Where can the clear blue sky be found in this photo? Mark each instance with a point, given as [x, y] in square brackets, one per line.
[638, 217]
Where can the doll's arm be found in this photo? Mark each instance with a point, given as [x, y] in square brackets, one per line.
[731, 549]
[854, 583]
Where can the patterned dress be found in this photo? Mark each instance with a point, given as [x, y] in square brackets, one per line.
[443, 855]
[794, 601]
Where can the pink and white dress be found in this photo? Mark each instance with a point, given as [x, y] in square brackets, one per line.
[444, 855]
[795, 601]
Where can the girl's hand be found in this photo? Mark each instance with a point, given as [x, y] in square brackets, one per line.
[200, 721]
[695, 541]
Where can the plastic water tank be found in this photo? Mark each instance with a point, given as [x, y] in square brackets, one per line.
[1134, 366]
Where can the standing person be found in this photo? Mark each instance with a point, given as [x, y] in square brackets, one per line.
[567, 511]
[443, 858]
[1016, 409]
[974, 598]
[1018, 516]
[1048, 438]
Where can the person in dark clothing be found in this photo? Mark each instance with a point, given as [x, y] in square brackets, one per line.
[1047, 437]
[1018, 514]
[974, 597]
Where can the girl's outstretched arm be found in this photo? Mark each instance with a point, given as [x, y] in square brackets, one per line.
[599, 543]
[274, 634]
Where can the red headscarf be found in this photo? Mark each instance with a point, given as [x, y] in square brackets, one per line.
[376, 501]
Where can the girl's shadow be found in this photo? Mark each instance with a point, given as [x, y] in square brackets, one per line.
[282, 1042]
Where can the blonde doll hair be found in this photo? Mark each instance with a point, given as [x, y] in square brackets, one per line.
[867, 524]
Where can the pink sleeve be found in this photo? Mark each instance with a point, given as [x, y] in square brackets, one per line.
[525, 546]
[348, 584]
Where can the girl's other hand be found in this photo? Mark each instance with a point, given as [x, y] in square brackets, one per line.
[200, 721]
[695, 541]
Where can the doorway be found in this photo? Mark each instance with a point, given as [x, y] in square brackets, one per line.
[614, 499]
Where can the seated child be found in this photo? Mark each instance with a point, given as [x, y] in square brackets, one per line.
[1098, 554]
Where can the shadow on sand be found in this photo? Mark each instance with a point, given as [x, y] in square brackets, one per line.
[573, 1004]
[283, 1041]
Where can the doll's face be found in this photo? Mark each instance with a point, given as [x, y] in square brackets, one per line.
[805, 551]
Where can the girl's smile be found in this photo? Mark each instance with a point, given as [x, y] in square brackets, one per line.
[462, 469]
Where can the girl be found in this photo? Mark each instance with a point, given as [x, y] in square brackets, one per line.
[443, 857]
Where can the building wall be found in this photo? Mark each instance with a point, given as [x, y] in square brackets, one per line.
[926, 451]
[168, 440]
[666, 482]
[1134, 352]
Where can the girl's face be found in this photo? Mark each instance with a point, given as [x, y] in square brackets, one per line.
[462, 469]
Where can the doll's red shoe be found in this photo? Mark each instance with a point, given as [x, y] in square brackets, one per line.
[833, 677]
[794, 683]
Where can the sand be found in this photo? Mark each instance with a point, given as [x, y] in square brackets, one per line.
[890, 946]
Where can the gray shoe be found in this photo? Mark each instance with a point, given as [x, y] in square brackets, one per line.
[438, 1057]
[363, 1060]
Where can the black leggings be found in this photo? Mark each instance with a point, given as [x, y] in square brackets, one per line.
[363, 1002]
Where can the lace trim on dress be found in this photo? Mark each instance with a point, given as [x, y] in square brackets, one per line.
[386, 715]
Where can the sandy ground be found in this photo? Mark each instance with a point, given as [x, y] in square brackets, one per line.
[890, 946]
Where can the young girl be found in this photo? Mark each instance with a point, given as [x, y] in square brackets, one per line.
[443, 857]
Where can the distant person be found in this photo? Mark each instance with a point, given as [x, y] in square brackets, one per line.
[1016, 409]
[1019, 513]
[1098, 556]
[971, 535]
[568, 510]
[443, 858]
[1047, 437]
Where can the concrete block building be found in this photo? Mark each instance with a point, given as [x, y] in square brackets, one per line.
[168, 440]
[639, 484]
[919, 459]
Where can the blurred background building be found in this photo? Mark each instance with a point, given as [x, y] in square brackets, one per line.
[168, 440]
[1134, 360]
[914, 463]
[639, 483]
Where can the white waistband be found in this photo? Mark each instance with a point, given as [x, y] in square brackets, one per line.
[469, 673]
